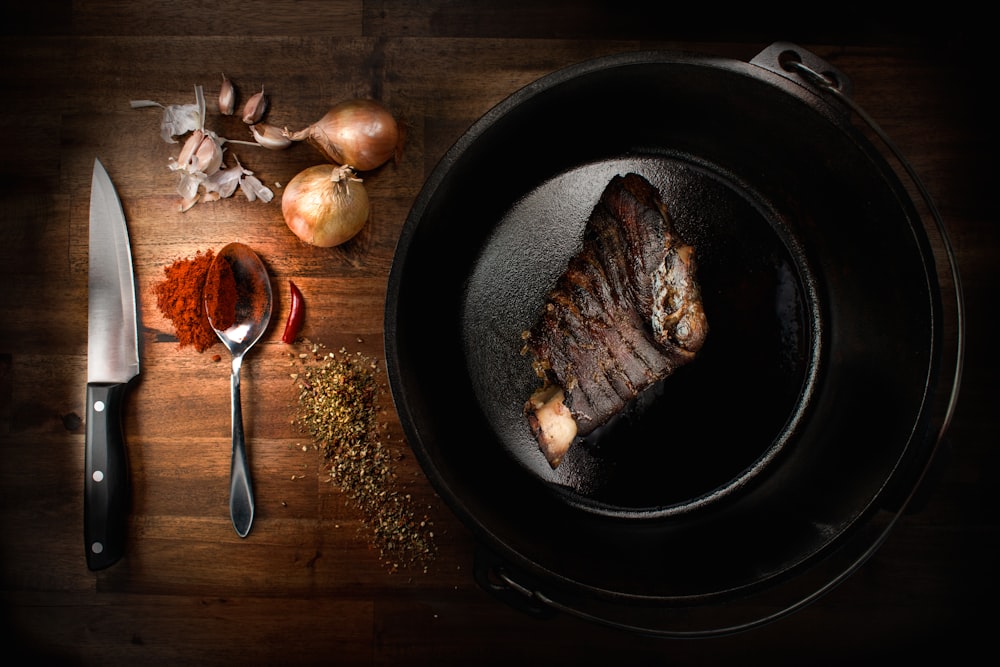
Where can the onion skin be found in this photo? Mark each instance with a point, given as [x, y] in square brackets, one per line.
[325, 205]
[360, 133]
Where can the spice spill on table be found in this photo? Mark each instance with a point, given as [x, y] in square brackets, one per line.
[180, 298]
[339, 402]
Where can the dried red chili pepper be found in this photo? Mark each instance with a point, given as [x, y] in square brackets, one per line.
[295, 315]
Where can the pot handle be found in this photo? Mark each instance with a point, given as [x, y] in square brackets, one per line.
[494, 575]
[788, 60]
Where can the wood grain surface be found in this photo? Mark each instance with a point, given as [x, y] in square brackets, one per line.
[305, 588]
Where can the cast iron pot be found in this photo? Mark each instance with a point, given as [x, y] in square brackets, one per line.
[763, 473]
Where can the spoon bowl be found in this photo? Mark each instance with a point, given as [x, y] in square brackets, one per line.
[237, 301]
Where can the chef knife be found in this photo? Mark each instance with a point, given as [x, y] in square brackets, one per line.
[112, 362]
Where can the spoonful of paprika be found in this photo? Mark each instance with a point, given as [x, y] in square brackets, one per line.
[237, 300]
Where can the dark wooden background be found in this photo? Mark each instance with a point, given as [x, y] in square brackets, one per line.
[303, 588]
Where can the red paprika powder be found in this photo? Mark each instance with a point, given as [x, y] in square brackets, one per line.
[220, 295]
[179, 297]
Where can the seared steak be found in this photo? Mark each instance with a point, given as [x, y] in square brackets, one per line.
[625, 314]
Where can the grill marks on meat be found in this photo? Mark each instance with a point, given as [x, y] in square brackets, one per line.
[625, 314]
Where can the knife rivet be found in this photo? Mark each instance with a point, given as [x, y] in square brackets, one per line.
[98, 475]
[97, 547]
[99, 406]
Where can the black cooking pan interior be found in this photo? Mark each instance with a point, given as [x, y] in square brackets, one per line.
[807, 406]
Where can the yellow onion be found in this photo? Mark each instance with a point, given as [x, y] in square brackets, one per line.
[361, 133]
[325, 205]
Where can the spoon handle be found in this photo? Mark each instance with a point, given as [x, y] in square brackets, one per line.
[240, 487]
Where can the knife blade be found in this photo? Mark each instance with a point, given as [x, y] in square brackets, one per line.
[112, 363]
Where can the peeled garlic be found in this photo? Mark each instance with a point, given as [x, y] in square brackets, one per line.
[227, 97]
[255, 107]
[270, 136]
[201, 153]
[208, 156]
[189, 148]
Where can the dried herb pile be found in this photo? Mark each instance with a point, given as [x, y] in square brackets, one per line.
[338, 406]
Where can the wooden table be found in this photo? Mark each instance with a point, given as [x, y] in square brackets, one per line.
[305, 588]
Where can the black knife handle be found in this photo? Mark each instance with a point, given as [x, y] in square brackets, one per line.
[106, 491]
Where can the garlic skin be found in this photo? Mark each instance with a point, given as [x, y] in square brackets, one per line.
[203, 177]
[252, 187]
[227, 97]
[224, 182]
[270, 136]
[178, 119]
[199, 159]
[254, 109]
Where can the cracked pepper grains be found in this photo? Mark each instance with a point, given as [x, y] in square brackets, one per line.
[338, 406]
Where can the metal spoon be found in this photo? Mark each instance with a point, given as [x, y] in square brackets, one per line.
[238, 332]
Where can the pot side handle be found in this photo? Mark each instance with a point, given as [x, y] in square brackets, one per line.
[794, 63]
[493, 575]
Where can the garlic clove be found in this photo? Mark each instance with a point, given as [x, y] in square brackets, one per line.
[227, 97]
[189, 148]
[255, 107]
[208, 158]
[188, 203]
[270, 136]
